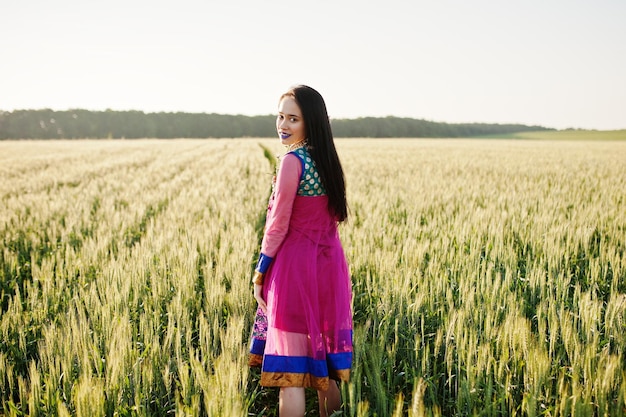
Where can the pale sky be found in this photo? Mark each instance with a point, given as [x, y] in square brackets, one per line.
[555, 63]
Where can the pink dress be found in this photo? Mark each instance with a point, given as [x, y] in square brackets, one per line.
[306, 337]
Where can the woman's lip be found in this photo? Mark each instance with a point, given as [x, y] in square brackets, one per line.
[284, 135]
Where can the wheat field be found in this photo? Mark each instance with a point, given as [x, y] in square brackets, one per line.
[489, 277]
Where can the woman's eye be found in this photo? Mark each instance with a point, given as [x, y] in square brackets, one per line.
[293, 120]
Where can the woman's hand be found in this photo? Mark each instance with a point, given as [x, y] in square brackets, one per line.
[258, 295]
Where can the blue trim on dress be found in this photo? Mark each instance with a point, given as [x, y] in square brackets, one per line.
[257, 346]
[339, 361]
[295, 365]
[306, 365]
[264, 263]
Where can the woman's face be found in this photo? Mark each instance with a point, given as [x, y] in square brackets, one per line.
[289, 122]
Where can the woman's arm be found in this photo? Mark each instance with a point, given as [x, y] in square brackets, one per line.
[277, 221]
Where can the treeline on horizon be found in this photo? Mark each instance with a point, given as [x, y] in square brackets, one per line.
[88, 124]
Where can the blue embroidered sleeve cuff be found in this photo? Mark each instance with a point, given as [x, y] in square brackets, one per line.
[264, 263]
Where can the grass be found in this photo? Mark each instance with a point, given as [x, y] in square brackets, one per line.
[489, 277]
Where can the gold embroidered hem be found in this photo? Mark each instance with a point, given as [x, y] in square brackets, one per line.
[289, 379]
[255, 360]
[340, 375]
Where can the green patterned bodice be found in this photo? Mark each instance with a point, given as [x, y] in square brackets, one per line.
[310, 184]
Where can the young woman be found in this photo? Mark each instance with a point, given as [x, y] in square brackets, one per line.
[303, 331]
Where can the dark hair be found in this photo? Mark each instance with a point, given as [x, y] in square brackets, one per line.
[321, 146]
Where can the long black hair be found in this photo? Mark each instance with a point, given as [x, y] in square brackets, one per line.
[321, 146]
